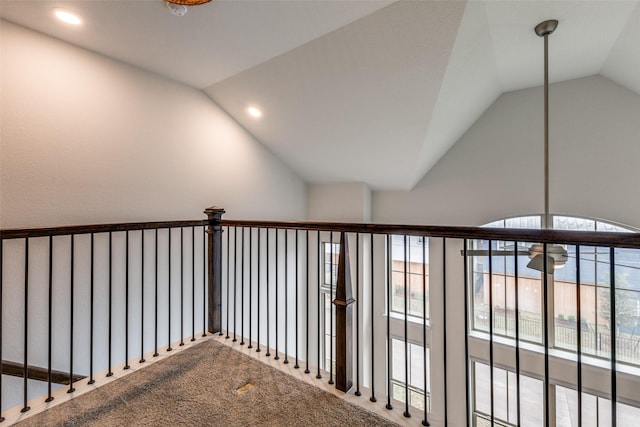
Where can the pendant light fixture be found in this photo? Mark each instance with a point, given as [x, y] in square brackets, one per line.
[556, 255]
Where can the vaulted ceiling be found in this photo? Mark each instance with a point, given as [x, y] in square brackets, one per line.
[355, 91]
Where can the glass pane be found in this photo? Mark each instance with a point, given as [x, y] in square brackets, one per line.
[482, 386]
[513, 397]
[417, 284]
[397, 364]
[531, 402]
[628, 416]
[565, 309]
[531, 397]
[604, 412]
[500, 401]
[329, 334]
[627, 326]
[416, 372]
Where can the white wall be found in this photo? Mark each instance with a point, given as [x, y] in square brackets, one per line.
[86, 139]
[495, 170]
[344, 202]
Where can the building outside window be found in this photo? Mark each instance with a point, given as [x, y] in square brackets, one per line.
[594, 324]
[594, 293]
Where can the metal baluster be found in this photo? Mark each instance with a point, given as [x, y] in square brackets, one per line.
[250, 282]
[517, 315]
[612, 304]
[242, 289]
[110, 372]
[204, 283]
[286, 296]
[296, 366]
[228, 277]
[579, 337]
[1, 289]
[142, 360]
[126, 304]
[258, 350]
[156, 354]
[307, 371]
[193, 284]
[91, 379]
[406, 254]
[276, 357]
[181, 286]
[388, 283]
[547, 414]
[373, 393]
[268, 353]
[235, 282]
[50, 326]
[426, 422]
[71, 313]
[330, 307]
[155, 306]
[318, 376]
[169, 291]
[25, 408]
[357, 392]
[491, 330]
[444, 327]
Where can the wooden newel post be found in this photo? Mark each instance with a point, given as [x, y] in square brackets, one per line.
[344, 320]
[214, 261]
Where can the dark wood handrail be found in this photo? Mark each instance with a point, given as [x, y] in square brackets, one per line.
[37, 373]
[569, 237]
[21, 233]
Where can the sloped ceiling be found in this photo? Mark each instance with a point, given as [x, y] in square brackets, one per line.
[355, 91]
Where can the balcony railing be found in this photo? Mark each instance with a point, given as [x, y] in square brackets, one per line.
[84, 301]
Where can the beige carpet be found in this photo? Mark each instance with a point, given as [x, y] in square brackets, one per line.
[208, 384]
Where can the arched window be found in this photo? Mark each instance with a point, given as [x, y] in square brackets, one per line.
[594, 291]
[492, 292]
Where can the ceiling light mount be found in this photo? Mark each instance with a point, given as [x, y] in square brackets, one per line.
[546, 27]
[179, 7]
[254, 112]
[67, 16]
[176, 9]
[188, 2]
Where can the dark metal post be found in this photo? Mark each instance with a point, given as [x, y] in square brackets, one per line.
[214, 233]
[344, 320]
[126, 302]
[1, 268]
[25, 375]
[50, 325]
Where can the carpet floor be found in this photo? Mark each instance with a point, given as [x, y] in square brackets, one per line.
[209, 384]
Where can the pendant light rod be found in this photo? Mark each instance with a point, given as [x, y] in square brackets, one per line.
[543, 29]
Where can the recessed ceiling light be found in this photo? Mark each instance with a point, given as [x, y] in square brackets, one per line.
[67, 16]
[253, 111]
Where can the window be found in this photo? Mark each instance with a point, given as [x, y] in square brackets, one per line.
[330, 260]
[414, 252]
[595, 293]
[596, 411]
[415, 366]
[331, 254]
[503, 292]
[505, 410]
